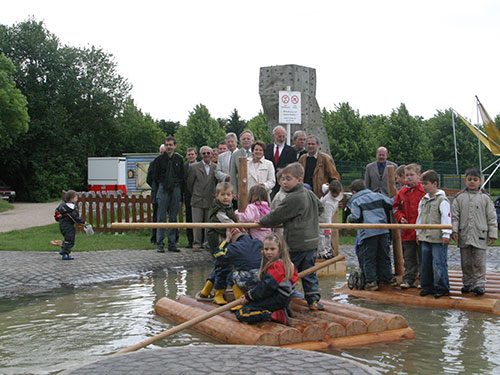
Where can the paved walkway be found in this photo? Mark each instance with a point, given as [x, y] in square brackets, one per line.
[27, 215]
[223, 359]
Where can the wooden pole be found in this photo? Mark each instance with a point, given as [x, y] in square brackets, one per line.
[212, 313]
[117, 226]
[397, 245]
[335, 234]
[242, 184]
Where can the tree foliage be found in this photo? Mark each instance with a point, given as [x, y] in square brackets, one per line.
[235, 123]
[169, 127]
[259, 128]
[14, 117]
[201, 130]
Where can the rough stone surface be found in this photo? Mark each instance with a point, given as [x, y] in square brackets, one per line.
[222, 359]
[274, 79]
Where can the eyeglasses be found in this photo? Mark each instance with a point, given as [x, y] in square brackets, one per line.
[206, 153]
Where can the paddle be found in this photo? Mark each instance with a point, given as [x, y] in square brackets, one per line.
[217, 311]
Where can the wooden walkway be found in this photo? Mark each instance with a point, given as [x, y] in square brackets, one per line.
[489, 303]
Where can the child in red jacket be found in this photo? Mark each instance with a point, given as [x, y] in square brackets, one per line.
[405, 210]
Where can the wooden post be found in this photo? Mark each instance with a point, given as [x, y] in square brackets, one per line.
[335, 234]
[242, 184]
[397, 245]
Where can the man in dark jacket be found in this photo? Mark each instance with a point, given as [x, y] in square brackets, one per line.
[154, 190]
[168, 173]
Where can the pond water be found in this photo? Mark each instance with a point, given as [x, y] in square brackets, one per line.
[52, 332]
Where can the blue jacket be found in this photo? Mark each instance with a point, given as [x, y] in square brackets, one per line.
[245, 254]
[369, 207]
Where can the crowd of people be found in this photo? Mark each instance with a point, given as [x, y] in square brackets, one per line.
[291, 190]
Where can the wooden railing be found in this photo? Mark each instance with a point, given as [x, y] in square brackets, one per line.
[101, 211]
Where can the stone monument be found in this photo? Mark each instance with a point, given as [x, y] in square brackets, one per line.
[274, 79]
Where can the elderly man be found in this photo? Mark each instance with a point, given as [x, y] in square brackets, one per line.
[279, 153]
[224, 162]
[154, 189]
[246, 140]
[376, 173]
[299, 143]
[201, 183]
[191, 156]
[168, 174]
[319, 167]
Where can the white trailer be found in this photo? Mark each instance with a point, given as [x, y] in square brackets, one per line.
[107, 174]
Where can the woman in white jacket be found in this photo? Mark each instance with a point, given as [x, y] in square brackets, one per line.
[260, 170]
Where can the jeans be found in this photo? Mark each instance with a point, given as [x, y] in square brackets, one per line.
[168, 201]
[434, 276]
[374, 260]
[304, 260]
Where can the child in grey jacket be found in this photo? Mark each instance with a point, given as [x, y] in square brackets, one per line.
[475, 227]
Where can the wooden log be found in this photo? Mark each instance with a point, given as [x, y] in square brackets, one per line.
[359, 340]
[242, 184]
[120, 225]
[217, 327]
[393, 321]
[397, 245]
[373, 323]
[310, 331]
[352, 327]
[286, 335]
[331, 329]
[472, 304]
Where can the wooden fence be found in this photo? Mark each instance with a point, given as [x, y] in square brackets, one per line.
[101, 211]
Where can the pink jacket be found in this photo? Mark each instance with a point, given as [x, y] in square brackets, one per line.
[252, 214]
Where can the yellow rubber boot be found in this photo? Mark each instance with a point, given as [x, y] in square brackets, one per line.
[219, 297]
[237, 294]
[205, 292]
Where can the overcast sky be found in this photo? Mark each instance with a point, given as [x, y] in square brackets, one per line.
[375, 55]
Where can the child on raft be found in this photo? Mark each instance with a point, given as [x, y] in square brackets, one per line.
[258, 206]
[221, 211]
[67, 215]
[268, 300]
[299, 213]
[475, 227]
[434, 208]
[331, 203]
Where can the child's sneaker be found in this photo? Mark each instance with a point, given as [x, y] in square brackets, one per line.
[315, 306]
[390, 282]
[280, 316]
[478, 291]
[61, 252]
[405, 285]
[371, 286]
[67, 257]
[466, 289]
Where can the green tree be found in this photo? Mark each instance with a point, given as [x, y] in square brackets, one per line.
[169, 127]
[259, 128]
[74, 97]
[201, 130]
[235, 124]
[14, 117]
[347, 133]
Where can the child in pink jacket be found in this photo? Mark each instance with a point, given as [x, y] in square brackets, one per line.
[258, 206]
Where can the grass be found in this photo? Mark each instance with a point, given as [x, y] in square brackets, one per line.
[38, 239]
[5, 205]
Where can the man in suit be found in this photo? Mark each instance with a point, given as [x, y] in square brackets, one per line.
[279, 153]
[168, 174]
[299, 140]
[154, 189]
[201, 183]
[319, 167]
[191, 156]
[246, 140]
[376, 173]
[222, 172]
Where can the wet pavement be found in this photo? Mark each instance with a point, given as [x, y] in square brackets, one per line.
[223, 359]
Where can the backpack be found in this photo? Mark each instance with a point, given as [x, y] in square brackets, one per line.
[356, 279]
[58, 215]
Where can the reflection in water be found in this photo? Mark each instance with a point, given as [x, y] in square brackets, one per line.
[52, 332]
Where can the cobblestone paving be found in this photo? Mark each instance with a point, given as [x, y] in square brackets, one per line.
[27, 273]
[223, 359]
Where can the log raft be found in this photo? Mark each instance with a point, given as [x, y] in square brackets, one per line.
[346, 325]
[489, 303]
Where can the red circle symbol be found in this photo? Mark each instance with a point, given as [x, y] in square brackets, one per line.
[285, 99]
[295, 99]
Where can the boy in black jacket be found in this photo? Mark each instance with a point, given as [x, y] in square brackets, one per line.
[67, 214]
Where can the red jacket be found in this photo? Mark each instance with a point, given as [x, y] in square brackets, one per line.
[406, 206]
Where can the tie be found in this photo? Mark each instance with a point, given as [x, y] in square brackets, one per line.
[276, 155]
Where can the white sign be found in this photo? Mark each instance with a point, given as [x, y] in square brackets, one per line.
[289, 107]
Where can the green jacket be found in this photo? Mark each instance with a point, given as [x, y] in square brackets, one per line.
[216, 236]
[299, 213]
